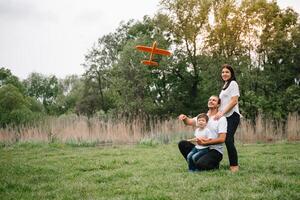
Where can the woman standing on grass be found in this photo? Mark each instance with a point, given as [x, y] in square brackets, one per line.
[229, 108]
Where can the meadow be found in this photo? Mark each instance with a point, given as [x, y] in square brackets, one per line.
[148, 170]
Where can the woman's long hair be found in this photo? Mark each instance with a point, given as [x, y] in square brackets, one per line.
[232, 78]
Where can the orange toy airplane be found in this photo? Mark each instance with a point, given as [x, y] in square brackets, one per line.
[153, 50]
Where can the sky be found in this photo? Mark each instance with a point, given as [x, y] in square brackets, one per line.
[51, 37]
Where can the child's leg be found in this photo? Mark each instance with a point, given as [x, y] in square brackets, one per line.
[199, 154]
[185, 148]
[189, 159]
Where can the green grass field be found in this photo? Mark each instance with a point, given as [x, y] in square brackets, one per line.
[60, 171]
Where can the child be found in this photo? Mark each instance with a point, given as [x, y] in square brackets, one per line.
[200, 133]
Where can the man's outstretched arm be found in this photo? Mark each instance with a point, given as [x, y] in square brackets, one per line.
[186, 120]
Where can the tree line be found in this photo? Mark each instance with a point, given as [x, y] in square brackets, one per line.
[258, 38]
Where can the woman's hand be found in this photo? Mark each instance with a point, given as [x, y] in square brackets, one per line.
[218, 115]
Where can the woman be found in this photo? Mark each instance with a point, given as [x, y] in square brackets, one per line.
[230, 109]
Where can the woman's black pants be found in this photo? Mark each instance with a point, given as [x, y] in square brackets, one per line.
[232, 124]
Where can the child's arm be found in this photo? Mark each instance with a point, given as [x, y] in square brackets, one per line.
[202, 137]
[192, 140]
[206, 137]
[221, 138]
[195, 139]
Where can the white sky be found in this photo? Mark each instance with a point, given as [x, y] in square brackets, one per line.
[52, 36]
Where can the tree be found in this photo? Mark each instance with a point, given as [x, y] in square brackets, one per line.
[189, 21]
[71, 91]
[45, 89]
[6, 77]
[14, 107]
[259, 39]
[277, 53]
[98, 63]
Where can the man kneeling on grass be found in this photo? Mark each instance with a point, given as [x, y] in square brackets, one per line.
[218, 130]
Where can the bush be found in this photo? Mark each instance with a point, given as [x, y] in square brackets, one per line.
[15, 108]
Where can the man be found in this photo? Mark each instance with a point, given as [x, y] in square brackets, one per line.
[218, 128]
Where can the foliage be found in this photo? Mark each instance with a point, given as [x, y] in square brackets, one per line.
[205, 34]
[71, 91]
[15, 108]
[260, 40]
[6, 77]
[43, 88]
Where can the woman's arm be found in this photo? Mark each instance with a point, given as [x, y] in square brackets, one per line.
[220, 139]
[186, 120]
[233, 101]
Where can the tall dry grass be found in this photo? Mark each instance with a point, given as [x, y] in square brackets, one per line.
[267, 130]
[80, 128]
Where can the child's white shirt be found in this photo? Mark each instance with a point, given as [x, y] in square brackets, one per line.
[202, 133]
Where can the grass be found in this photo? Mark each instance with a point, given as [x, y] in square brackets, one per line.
[145, 171]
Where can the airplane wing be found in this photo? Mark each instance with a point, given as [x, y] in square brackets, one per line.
[156, 50]
[149, 62]
[144, 48]
[162, 52]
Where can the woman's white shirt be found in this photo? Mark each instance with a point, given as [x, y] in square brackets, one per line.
[226, 95]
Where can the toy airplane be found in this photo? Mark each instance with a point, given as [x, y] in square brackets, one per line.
[152, 50]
